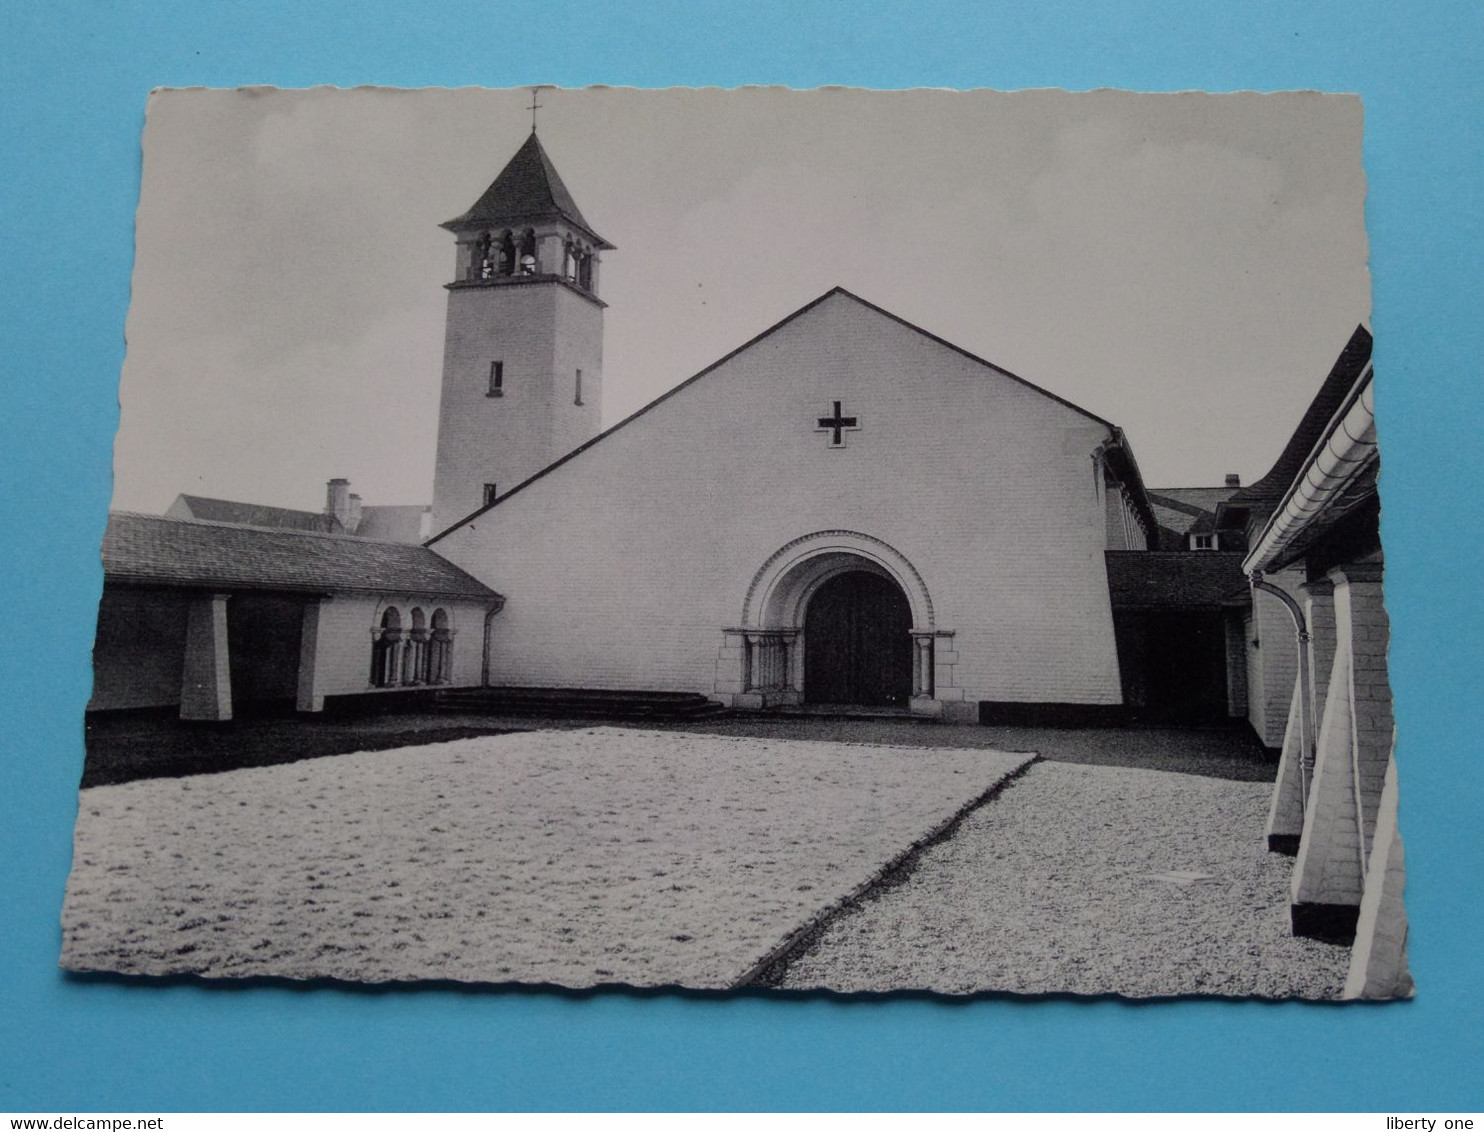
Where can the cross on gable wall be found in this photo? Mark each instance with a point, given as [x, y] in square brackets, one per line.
[837, 424]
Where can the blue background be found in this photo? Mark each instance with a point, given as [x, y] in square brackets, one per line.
[75, 78]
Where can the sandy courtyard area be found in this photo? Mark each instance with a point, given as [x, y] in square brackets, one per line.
[1088, 880]
[577, 857]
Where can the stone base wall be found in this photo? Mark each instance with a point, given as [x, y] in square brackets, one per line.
[1378, 963]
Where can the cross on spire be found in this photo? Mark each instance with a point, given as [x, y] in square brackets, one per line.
[838, 424]
[533, 107]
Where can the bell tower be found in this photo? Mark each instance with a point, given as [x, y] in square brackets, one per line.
[523, 347]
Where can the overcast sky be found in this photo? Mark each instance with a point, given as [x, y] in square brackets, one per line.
[1187, 266]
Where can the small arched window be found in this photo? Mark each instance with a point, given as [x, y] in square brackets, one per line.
[440, 650]
[585, 271]
[505, 264]
[386, 650]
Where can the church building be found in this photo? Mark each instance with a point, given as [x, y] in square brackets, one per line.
[845, 511]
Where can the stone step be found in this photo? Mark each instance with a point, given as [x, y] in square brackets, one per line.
[593, 703]
[807, 712]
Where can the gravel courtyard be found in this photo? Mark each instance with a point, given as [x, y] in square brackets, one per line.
[577, 858]
[1088, 880]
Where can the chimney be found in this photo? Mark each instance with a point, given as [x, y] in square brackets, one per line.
[1233, 480]
[353, 519]
[337, 500]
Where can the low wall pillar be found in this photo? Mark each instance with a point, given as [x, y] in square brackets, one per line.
[1330, 872]
[313, 658]
[1378, 962]
[206, 677]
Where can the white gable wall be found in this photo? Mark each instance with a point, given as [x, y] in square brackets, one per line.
[622, 567]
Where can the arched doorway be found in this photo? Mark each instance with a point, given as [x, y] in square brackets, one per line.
[858, 641]
[807, 634]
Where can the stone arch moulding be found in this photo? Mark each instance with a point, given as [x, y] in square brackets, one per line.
[780, 589]
[760, 663]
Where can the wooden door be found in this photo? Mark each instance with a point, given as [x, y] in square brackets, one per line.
[858, 642]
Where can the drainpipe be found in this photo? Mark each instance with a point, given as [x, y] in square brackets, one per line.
[1308, 739]
[1346, 449]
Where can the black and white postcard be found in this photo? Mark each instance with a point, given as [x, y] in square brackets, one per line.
[830, 540]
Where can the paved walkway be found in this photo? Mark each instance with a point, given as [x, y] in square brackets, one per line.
[1088, 880]
[581, 856]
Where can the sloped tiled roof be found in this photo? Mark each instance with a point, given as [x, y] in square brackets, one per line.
[1203, 525]
[386, 522]
[1183, 511]
[255, 514]
[1180, 508]
[159, 550]
[528, 188]
[393, 522]
[1150, 580]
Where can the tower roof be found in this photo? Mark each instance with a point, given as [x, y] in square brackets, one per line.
[528, 188]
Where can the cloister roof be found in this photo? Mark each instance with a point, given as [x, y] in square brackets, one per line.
[160, 550]
[1148, 579]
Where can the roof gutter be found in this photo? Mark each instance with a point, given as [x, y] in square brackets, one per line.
[249, 585]
[1345, 450]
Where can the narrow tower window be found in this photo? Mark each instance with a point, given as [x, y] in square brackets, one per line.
[489, 494]
[440, 653]
[497, 379]
[577, 399]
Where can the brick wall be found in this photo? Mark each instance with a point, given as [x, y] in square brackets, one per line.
[1272, 660]
[1286, 816]
[622, 567]
[578, 345]
[1378, 962]
[543, 333]
[1354, 750]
